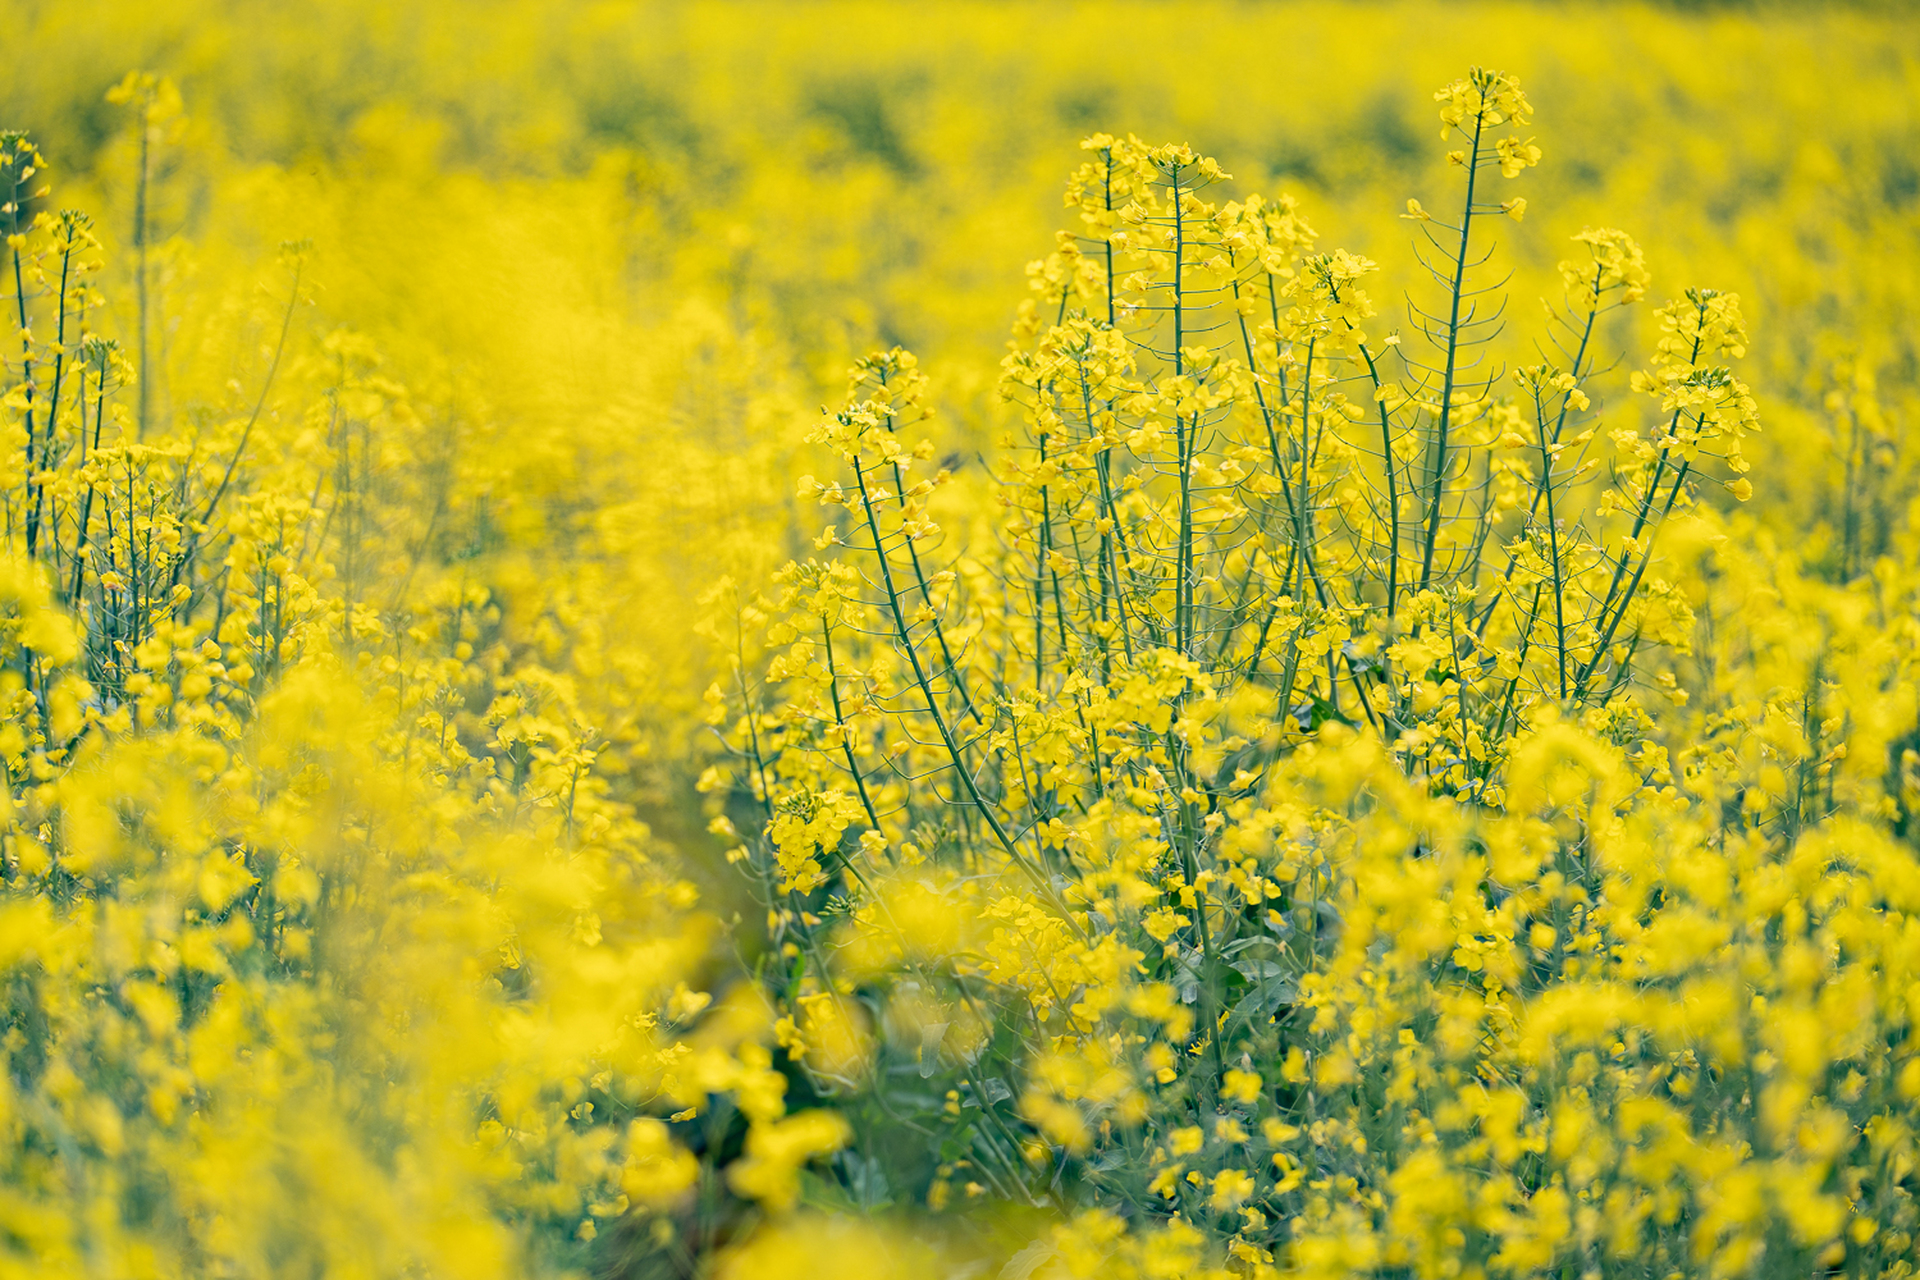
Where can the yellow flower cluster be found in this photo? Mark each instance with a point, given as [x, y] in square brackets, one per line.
[1299, 749]
[327, 944]
[1290, 766]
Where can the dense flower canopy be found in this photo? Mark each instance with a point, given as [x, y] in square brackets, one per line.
[1394, 760]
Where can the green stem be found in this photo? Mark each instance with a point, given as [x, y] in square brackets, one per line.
[1453, 353]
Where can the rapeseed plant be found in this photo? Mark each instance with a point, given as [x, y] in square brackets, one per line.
[1328, 893]
[1254, 780]
[291, 832]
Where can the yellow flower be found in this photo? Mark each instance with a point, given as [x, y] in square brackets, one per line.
[1240, 1086]
[1231, 1188]
[776, 1150]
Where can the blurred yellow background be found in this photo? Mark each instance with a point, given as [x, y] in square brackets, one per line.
[622, 251]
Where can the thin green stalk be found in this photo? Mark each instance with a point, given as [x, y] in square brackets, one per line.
[902, 631]
[1453, 351]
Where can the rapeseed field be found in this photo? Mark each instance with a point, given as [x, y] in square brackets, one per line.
[627, 649]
